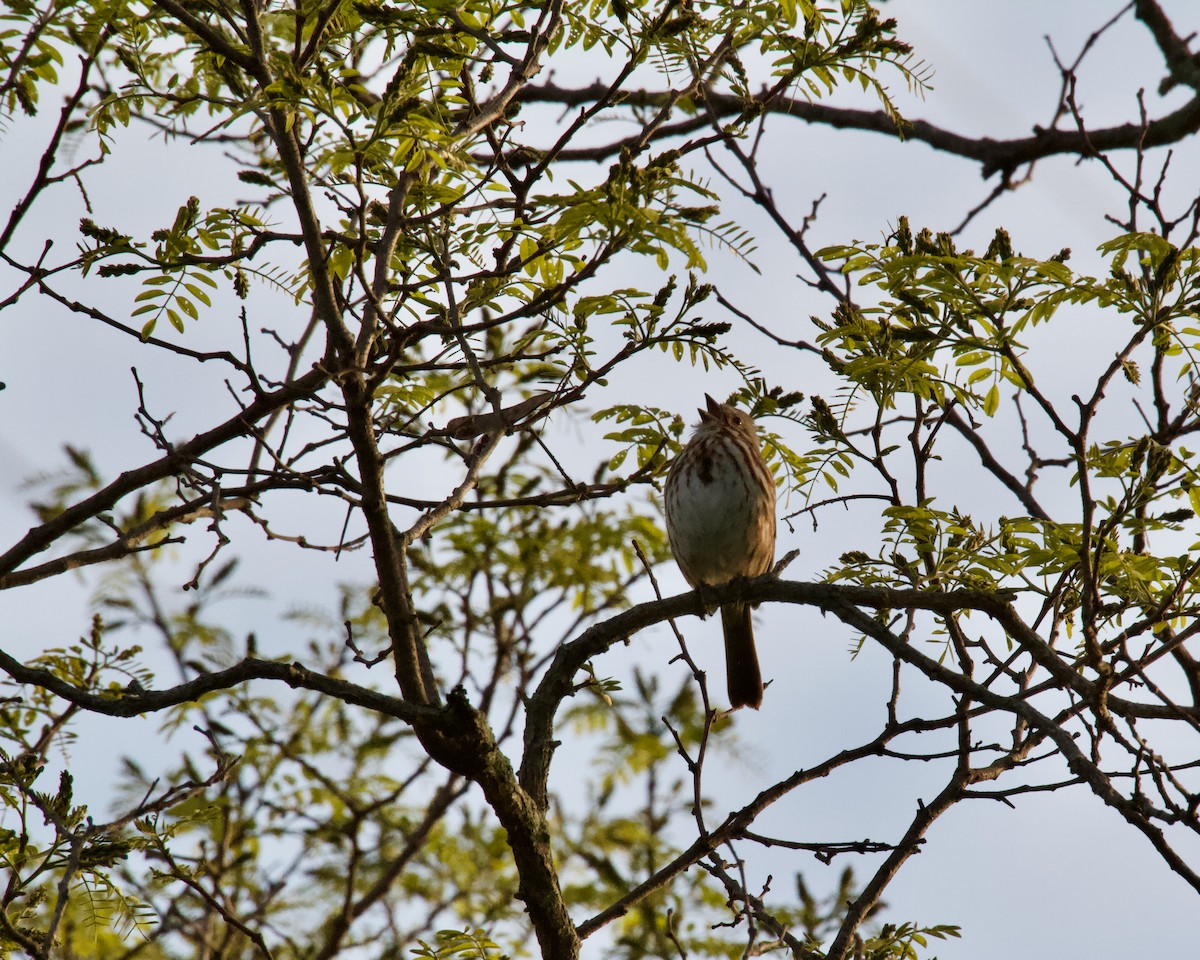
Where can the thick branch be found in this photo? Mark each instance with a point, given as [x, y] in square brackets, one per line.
[43, 536]
[411, 660]
[558, 682]
[464, 742]
[1179, 59]
[214, 39]
[126, 544]
[131, 704]
[993, 155]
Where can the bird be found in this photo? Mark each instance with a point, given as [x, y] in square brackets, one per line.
[720, 511]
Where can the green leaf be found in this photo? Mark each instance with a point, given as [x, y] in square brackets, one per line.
[992, 401]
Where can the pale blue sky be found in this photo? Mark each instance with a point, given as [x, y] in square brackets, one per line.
[1058, 877]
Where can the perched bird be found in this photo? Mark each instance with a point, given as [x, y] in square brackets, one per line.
[720, 500]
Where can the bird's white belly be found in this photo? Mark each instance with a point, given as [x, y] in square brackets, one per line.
[715, 524]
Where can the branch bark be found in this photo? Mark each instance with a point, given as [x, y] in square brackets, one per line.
[993, 155]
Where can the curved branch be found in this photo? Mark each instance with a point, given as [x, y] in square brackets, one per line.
[131, 704]
[558, 682]
[41, 537]
[1077, 762]
[1179, 59]
[734, 826]
[542, 33]
[994, 466]
[994, 156]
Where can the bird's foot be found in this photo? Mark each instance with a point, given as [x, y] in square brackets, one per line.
[704, 596]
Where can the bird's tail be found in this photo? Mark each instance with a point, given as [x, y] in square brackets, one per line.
[743, 678]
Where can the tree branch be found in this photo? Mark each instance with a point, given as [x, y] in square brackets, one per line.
[993, 156]
[123, 703]
[44, 535]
